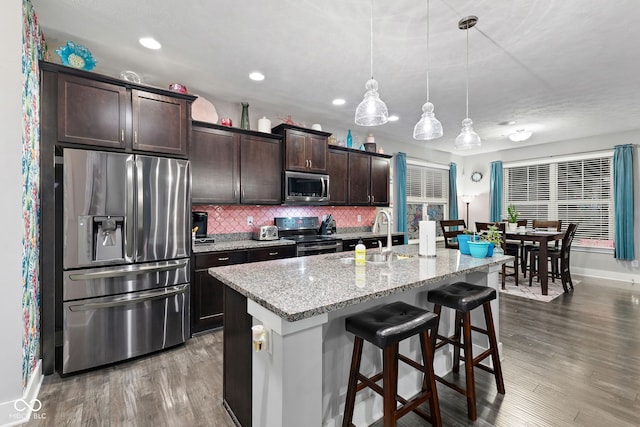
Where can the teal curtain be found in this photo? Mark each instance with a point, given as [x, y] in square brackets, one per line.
[453, 192]
[623, 201]
[495, 192]
[401, 192]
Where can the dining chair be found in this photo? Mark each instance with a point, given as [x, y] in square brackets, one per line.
[536, 225]
[507, 247]
[449, 233]
[559, 260]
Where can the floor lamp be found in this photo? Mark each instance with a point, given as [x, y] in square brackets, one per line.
[468, 199]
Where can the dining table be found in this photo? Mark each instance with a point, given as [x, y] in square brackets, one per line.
[542, 237]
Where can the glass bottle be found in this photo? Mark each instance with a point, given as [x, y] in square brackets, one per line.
[349, 139]
[244, 120]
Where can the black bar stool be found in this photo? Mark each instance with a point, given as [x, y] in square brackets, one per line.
[385, 327]
[464, 297]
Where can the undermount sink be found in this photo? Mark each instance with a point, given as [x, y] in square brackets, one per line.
[376, 258]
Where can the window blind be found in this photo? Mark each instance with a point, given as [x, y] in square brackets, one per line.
[427, 196]
[575, 190]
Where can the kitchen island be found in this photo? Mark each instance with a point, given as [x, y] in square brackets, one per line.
[300, 377]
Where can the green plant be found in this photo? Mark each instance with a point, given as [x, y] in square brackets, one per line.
[493, 235]
[512, 213]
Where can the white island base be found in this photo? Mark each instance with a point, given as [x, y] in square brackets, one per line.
[300, 379]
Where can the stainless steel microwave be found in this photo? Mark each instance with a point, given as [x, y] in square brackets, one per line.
[306, 188]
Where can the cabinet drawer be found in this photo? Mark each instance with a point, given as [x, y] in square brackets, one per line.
[276, 252]
[397, 240]
[217, 259]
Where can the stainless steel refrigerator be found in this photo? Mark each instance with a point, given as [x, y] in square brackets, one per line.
[126, 248]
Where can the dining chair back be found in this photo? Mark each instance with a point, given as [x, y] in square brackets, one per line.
[507, 247]
[559, 259]
[450, 229]
[548, 225]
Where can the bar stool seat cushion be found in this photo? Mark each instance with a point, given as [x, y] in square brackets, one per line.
[390, 323]
[462, 296]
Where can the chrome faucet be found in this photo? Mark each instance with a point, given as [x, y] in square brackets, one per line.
[387, 214]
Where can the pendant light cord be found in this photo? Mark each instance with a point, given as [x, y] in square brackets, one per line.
[467, 31]
[371, 38]
[428, 62]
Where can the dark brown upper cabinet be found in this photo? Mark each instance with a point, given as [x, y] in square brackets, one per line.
[232, 166]
[367, 177]
[305, 149]
[338, 170]
[101, 111]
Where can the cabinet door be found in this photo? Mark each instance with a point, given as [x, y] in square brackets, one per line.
[159, 123]
[349, 245]
[296, 155]
[260, 170]
[91, 112]
[274, 252]
[380, 181]
[206, 297]
[337, 168]
[316, 148]
[215, 166]
[359, 179]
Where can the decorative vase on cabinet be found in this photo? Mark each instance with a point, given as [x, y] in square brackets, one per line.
[244, 120]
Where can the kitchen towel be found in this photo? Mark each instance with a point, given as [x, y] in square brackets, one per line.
[427, 238]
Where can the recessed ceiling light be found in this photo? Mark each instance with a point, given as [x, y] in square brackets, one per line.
[393, 118]
[520, 135]
[256, 76]
[507, 123]
[339, 101]
[150, 43]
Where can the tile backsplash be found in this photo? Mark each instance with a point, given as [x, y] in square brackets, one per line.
[233, 218]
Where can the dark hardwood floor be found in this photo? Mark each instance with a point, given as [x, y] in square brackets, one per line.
[572, 362]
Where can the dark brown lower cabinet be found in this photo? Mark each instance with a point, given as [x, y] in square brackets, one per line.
[237, 354]
[372, 242]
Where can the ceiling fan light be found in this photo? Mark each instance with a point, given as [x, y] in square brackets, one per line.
[467, 138]
[428, 127]
[372, 111]
[520, 135]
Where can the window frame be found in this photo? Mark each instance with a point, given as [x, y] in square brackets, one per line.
[441, 203]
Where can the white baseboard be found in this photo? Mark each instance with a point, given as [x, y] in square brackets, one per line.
[19, 411]
[612, 278]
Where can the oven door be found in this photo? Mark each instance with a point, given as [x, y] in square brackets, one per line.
[317, 248]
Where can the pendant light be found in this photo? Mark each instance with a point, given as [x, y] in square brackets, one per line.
[467, 138]
[372, 111]
[428, 127]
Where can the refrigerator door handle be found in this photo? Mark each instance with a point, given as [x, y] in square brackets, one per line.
[129, 245]
[140, 203]
[123, 300]
[127, 272]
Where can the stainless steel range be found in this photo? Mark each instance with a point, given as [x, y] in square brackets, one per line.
[305, 232]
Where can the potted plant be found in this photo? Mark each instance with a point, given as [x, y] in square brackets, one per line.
[512, 218]
[492, 235]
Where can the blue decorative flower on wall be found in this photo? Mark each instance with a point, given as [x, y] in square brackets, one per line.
[76, 56]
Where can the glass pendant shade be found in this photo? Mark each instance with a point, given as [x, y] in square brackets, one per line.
[428, 127]
[372, 111]
[467, 138]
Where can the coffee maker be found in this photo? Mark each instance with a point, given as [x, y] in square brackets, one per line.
[199, 219]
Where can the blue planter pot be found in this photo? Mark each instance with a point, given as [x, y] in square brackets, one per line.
[463, 242]
[490, 249]
[479, 249]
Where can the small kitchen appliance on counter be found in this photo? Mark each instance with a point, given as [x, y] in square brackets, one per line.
[265, 232]
[199, 220]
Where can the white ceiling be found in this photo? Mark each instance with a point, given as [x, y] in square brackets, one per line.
[563, 69]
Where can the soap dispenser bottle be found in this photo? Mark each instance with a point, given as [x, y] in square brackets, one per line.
[361, 253]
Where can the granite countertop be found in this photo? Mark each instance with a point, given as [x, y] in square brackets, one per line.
[299, 288]
[234, 245]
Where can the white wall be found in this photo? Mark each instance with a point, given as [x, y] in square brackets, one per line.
[592, 264]
[11, 212]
